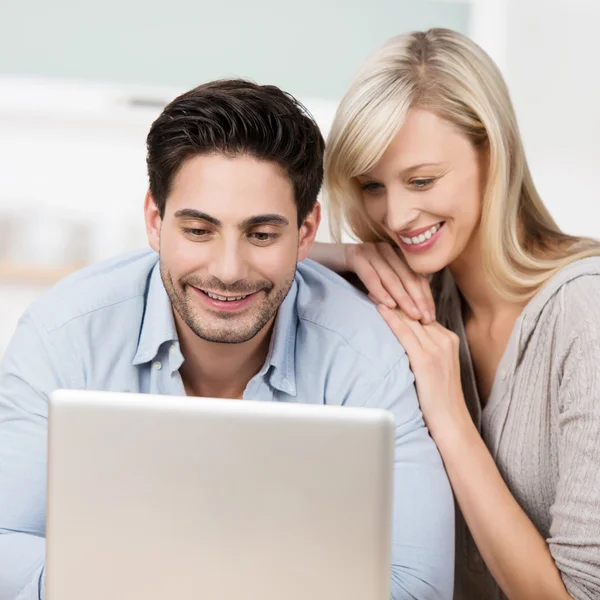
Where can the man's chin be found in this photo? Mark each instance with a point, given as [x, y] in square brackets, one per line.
[221, 327]
[226, 337]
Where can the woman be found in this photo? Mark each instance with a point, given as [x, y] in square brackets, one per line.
[426, 165]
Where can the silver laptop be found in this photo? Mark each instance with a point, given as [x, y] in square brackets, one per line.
[161, 497]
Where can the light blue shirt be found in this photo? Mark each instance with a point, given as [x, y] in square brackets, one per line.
[111, 327]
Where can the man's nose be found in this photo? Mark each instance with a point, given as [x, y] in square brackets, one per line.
[228, 264]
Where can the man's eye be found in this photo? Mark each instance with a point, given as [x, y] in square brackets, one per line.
[422, 183]
[196, 232]
[262, 236]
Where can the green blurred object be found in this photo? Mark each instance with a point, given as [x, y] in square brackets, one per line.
[309, 49]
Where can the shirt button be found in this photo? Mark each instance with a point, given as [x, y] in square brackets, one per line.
[157, 365]
[503, 374]
[172, 349]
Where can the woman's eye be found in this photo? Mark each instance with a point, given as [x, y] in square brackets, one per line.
[371, 187]
[422, 183]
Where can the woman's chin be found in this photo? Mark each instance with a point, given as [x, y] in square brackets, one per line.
[425, 265]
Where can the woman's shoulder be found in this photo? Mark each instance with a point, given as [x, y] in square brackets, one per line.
[571, 296]
[577, 282]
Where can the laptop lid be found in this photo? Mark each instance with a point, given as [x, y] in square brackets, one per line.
[156, 497]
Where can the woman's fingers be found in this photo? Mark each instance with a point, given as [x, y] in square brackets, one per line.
[401, 329]
[429, 301]
[371, 279]
[394, 284]
[443, 338]
[379, 279]
[416, 286]
[422, 331]
[390, 280]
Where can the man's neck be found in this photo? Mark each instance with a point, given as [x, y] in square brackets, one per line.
[213, 370]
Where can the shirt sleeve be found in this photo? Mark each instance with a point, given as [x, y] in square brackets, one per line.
[28, 374]
[574, 539]
[423, 526]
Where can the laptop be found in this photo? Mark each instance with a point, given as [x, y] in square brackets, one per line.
[160, 497]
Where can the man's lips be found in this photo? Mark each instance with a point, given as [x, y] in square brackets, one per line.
[231, 303]
[222, 297]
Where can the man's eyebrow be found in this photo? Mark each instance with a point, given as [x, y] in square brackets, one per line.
[191, 213]
[271, 219]
[264, 220]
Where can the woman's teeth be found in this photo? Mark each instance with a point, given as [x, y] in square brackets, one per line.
[224, 298]
[419, 239]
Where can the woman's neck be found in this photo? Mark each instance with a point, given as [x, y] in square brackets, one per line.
[483, 302]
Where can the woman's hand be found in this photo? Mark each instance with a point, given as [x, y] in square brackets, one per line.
[389, 280]
[433, 354]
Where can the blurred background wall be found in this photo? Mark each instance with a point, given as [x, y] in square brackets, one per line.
[81, 82]
[307, 47]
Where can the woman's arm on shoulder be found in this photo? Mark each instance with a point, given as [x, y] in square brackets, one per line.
[386, 276]
[332, 256]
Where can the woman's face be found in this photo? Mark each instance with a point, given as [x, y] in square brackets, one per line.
[426, 191]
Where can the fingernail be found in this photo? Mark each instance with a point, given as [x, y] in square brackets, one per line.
[429, 317]
[390, 302]
[415, 312]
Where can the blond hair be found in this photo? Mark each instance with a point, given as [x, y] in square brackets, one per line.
[445, 72]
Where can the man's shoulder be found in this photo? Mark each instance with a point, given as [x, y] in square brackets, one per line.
[340, 312]
[110, 283]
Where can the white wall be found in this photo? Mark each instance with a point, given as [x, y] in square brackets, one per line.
[554, 71]
[549, 53]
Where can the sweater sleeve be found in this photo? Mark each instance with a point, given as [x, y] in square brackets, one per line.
[575, 526]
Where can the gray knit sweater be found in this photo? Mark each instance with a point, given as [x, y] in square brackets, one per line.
[542, 425]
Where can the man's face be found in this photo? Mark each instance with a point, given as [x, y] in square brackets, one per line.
[229, 243]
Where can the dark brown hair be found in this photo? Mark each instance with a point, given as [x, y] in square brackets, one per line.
[235, 117]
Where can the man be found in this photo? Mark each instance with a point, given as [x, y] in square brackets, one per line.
[219, 308]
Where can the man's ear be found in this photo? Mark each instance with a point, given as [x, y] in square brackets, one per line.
[308, 231]
[153, 222]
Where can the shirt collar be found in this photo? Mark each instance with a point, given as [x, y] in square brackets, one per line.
[282, 353]
[158, 325]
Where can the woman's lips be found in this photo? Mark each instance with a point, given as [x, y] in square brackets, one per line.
[424, 240]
